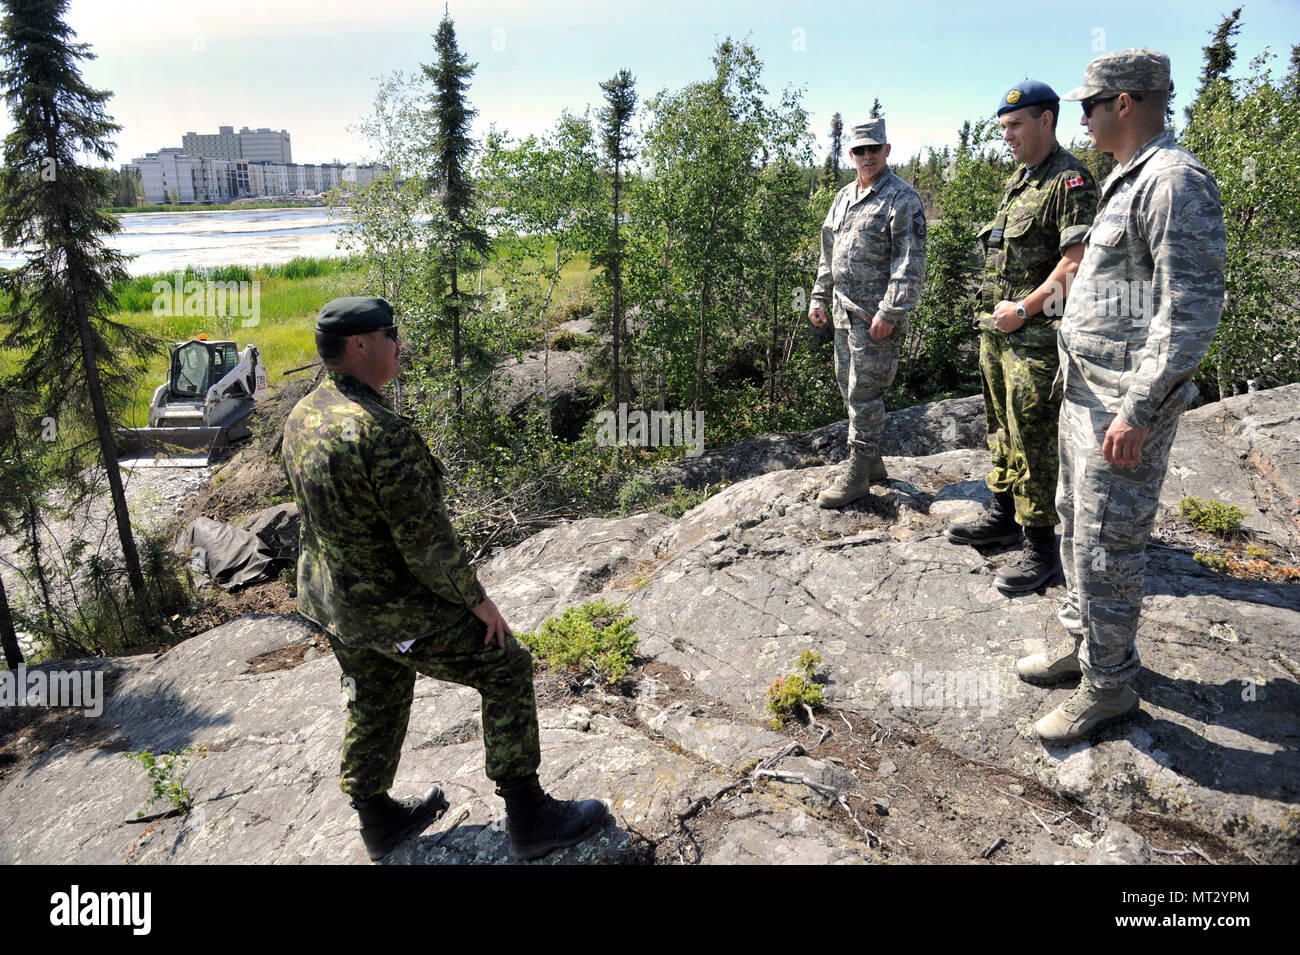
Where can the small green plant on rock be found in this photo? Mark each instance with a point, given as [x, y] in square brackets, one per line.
[1212, 561]
[1223, 520]
[788, 694]
[593, 638]
[167, 774]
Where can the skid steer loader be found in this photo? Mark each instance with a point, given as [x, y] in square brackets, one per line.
[202, 407]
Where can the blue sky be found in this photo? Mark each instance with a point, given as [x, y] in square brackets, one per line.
[310, 67]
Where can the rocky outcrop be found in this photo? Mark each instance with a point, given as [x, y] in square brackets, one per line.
[917, 650]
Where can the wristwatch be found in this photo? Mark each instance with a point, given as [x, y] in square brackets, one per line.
[1020, 311]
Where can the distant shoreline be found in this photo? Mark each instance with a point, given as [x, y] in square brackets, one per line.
[213, 207]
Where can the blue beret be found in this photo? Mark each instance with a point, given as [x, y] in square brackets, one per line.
[1027, 93]
[354, 315]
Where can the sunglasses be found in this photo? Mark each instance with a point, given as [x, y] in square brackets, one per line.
[391, 332]
[1094, 101]
[863, 150]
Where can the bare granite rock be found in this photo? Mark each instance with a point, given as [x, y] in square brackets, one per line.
[912, 633]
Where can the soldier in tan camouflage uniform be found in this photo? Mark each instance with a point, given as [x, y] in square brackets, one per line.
[1141, 314]
[871, 272]
[1032, 248]
[382, 571]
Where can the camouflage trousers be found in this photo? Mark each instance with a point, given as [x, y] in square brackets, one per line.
[1021, 419]
[1106, 518]
[380, 684]
[865, 368]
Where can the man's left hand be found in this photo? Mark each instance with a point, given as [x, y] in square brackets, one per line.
[1005, 318]
[497, 628]
[1123, 444]
[881, 328]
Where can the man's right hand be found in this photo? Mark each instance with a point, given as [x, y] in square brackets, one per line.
[497, 628]
[817, 316]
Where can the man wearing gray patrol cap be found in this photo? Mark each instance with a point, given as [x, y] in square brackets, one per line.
[1140, 317]
[870, 275]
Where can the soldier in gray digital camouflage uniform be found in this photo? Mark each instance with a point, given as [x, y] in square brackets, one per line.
[1140, 317]
[870, 275]
[383, 572]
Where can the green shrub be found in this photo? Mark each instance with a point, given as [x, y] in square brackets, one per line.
[100, 616]
[636, 491]
[1212, 561]
[789, 694]
[167, 774]
[1212, 517]
[577, 302]
[593, 638]
[682, 500]
[566, 339]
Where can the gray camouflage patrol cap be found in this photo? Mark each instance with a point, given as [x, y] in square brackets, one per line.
[870, 133]
[1122, 71]
[354, 315]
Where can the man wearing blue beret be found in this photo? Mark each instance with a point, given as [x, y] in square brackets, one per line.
[1032, 248]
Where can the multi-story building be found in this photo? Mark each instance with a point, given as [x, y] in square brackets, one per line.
[177, 175]
[255, 145]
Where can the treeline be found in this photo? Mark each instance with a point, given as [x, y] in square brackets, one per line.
[700, 281]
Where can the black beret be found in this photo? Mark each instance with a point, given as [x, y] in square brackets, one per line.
[354, 315]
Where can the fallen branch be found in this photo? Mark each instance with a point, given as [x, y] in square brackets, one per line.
[993, 848]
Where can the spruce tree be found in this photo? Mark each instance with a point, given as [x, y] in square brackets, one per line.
[77, 361]
[1219, 57]
[616, 131]
[452, 147]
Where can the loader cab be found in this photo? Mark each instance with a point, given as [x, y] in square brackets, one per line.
[198, 365]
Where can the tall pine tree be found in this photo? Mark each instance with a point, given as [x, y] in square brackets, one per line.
[616, 131]
[452, 147]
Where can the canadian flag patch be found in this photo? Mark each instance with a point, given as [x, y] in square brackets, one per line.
[1076, 181]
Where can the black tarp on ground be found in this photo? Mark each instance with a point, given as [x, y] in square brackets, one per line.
[229, 556]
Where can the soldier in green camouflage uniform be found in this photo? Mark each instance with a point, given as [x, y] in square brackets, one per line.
[870, 275]
[383, 572]
[1140, 317]
[1032, 247]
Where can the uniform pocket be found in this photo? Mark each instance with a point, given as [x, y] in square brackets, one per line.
[1017, 227]
[1100, 360]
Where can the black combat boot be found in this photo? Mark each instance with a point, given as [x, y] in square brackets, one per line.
[997, 526]
[1039, 562]
[385, 821]
[536, 823]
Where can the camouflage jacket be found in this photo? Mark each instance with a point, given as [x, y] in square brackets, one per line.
[1148, 295]
[873, 252]
[379, 559]
[1044, 212]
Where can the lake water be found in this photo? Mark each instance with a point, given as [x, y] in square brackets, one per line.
[166, 241]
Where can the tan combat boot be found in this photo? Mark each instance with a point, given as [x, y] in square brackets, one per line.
[1087, 711]
[1058, 663]
[863, 471]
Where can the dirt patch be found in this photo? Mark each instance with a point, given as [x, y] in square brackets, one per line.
[286, 658]
[214, 606]
[253, 478]
[28, 732]
[922, 802]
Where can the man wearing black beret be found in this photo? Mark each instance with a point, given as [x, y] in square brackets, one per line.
[383, 572]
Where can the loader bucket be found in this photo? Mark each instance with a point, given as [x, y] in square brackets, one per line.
[169, 447]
